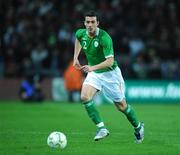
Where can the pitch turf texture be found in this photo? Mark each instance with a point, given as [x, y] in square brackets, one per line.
[24, 129]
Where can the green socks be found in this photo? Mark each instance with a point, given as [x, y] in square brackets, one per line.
[93, 113]
[95, 117]
[131, 116]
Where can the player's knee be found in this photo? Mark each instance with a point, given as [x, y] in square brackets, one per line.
[121, 106]
[85, 98]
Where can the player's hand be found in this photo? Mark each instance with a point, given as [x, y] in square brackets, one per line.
[76, 64]
[87, 68]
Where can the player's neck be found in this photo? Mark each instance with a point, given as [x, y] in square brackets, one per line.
[92, 35]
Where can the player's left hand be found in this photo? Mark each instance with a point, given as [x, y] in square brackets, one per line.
[87, 68]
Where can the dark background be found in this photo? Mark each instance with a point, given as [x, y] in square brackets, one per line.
[37, 36]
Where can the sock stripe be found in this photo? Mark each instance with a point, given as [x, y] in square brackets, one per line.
[139, 124]
[88, 103]
[128, 109]
[100, 125]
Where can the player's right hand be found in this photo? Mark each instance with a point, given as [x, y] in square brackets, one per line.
[76, 64]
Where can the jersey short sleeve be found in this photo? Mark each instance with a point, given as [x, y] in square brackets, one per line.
[79, 33]
[107, 46]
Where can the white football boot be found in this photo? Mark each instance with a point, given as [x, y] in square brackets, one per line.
[101, 133]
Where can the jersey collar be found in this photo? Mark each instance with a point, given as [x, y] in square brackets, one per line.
[97, 31]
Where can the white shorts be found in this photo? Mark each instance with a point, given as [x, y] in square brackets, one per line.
[111, 82]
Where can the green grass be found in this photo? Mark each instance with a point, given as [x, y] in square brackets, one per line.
[24, 129]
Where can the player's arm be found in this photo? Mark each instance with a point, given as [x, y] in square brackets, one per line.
[105, 64]
[77, 49]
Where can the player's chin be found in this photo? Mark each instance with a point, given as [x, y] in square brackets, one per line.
[90, 30]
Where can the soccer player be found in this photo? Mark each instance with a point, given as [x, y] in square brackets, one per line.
[103, 73]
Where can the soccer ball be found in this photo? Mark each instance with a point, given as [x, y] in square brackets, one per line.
[57, 140]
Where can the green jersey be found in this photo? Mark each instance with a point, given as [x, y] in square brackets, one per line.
[97, 49]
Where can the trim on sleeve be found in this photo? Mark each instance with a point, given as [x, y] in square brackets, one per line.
[109, 56]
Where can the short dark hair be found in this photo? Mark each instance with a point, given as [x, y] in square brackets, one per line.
[92, 14]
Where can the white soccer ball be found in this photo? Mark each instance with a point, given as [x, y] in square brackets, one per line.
[57, 140]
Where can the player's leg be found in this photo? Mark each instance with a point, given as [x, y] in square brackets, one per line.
[131, 116]
[116, 93]
[115, 89]
[129, 112]
[90, 87]
[87, 95]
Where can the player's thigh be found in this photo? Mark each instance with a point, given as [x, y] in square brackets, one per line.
[87, 92]
[115, 91]
[113, 85]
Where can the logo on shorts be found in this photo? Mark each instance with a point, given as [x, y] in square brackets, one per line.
[96, 43]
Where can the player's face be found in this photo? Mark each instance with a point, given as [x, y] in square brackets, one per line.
[91, 24]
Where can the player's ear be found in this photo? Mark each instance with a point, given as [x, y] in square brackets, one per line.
[97, 23]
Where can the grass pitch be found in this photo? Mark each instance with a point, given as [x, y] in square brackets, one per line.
[24, 129]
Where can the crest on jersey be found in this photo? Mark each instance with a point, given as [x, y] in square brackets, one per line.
[96, 43]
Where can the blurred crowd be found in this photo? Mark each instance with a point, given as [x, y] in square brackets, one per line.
[38, 36]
